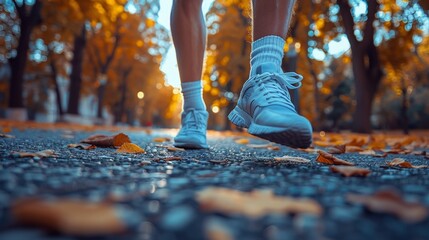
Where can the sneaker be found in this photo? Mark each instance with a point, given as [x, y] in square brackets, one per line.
[265, 109]
[192, 135]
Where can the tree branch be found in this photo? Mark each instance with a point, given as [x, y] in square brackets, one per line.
[348, 22]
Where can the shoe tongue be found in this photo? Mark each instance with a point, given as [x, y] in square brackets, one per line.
[266, 67]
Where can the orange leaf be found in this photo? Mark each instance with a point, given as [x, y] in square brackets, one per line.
[253, 204]
[242, 141]
[161, 139]
[130, 148]
[330, 159]
[348, 171]
[391, 202]
[400, 162]
[350, 149]
[69, 216]
[337, 149]
[107, 141]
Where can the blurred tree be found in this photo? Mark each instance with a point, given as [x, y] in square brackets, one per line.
[27, 15]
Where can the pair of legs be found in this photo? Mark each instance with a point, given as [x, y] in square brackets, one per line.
[263, 116]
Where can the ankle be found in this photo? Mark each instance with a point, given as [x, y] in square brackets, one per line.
[268, 49]
[193, 95]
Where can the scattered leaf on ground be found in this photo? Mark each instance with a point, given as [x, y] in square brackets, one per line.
[400, 162]
[349, 171]
[292, 159]
[6, 129]
[352, 149]
[418, 153]
[330, 159]
[130, 148]
[161, 139]
[309, 150]
[242, 141]
[337, 149]
[74, 217]
[107, 141]
[40, 154]
[357, 142]
[67, 136]
[3, 135]
[377, 143]
[174, 149]
[81, 146]
[253, 204]
[368, 152]
[391, 202]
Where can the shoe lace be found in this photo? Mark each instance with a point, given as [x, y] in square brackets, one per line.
[274, 86]
[191, 120]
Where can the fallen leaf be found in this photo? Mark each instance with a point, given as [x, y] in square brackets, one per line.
[107, 141]
[253, 204]
[337, 149]
[40, 154]
[7, 129]
[174, 149]
[292, 159]
[391, 202]
[368, 152]
[349, 171]
[400, 162]
[357, 142]
[351, 149]
[67, 136]
[309, 150]
[161, 139]
[81, 146]
[330, 159]
[242, 141]
[70, 216]
[418, 153]
[130, 148]
[167, 159]
[3, 135]
[376, 143]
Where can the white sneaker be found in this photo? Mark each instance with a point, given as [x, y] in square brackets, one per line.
[192, 134]
[265, 109]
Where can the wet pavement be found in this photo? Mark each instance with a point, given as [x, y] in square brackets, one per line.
[162, 193]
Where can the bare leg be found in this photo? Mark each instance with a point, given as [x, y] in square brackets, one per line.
[271, 17]
[189, 37]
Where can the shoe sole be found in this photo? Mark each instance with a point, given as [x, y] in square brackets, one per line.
[291, 137]
[190, 146]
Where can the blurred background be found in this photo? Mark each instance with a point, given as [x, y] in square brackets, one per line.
[365, 63]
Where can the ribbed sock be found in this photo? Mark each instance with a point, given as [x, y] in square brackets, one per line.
[193, 95]
[266, 49]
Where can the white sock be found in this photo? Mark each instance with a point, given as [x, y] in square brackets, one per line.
[193, 95]
[266, 49]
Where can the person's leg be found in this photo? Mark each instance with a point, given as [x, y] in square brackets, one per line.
[264, 105]
[189, 38]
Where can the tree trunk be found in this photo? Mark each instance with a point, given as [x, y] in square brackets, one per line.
[76, 74]
[17, 63]
[100, 96]
[57, 87]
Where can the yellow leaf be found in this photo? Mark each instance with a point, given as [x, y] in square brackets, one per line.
[130, 148]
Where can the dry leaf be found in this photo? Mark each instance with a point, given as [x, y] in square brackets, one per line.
[368, 152]
[242, 141]
[391, 202]
[219, 161]
[253, 204]
[69, 216]
[351, 149]
[172, 159]
[161, 139]
[130, 148]
[309, 150]
[337, 149]
[81, 146]
[7, 129]
[40, 154]
[107, 141]
[357, 142]
[3, 135]
[377, 143]
[348, 171]
[174, 149]
[330, 159]
[400, 162]
[292, 159]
